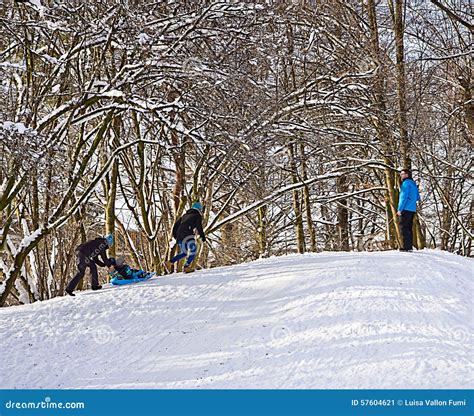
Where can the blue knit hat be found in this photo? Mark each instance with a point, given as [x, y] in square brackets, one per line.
[197, 205]
[110, 240]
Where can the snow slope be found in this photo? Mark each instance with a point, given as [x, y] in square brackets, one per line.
[328, 320]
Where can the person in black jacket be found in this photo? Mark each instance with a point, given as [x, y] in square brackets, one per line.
[183, 232]
[87, 255]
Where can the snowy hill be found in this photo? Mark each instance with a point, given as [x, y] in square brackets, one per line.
[329, 320]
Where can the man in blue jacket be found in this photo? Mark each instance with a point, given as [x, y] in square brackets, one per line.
[409, 195]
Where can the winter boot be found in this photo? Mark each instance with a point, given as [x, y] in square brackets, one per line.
[70, 292]
[96, 287]
[188, 269]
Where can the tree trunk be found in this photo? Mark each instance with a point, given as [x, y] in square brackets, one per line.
[383, 133]
[300, 243]
[307, 204]
[398, 26]
[262, 232]
[111, 196]
[342, 216]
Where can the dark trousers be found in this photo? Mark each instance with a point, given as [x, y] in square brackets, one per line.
[83, 262]
[187, 247]
[406, 226]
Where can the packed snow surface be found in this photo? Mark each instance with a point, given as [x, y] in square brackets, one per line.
[327, 320]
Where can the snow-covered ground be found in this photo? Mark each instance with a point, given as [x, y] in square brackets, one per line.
[329, 320]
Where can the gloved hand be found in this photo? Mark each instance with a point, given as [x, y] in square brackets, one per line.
[172, 243]
[203, 239]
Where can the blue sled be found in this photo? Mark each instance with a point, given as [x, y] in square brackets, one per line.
[120, 282]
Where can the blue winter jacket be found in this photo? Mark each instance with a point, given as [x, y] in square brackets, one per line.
[408, 196]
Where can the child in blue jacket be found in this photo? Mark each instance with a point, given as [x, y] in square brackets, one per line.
[120, 270]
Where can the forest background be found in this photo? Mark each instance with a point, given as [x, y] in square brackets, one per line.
[289, 121]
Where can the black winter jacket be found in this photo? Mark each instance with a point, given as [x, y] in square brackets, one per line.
[93, 249]
[185, 226]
